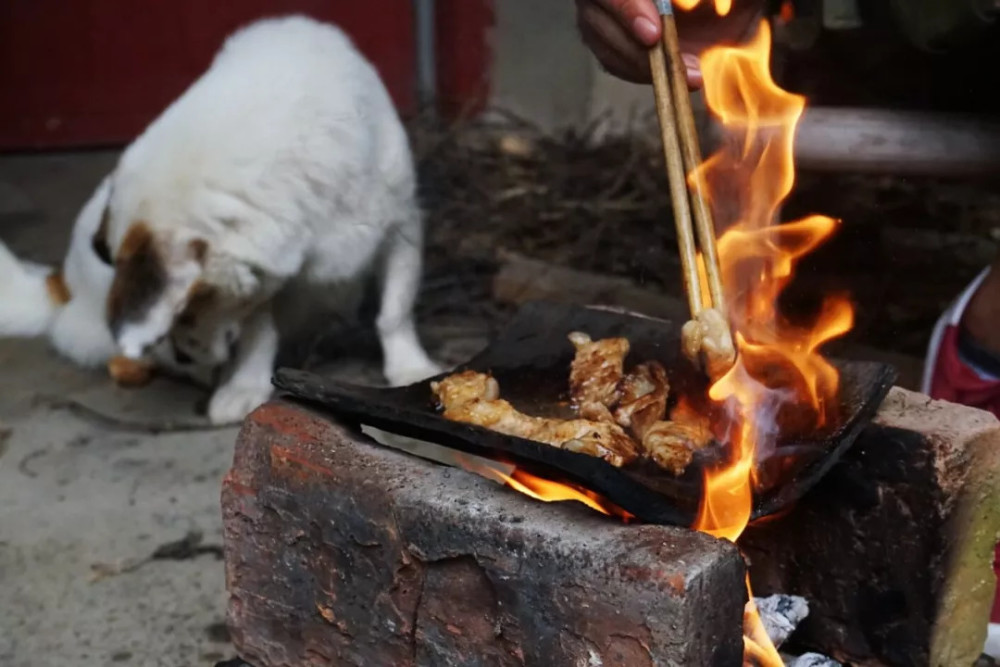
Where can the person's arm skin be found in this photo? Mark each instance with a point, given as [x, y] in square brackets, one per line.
[620, 32]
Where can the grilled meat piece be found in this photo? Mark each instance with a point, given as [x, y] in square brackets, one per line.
[621, 416]
[469, 397]
[465, 387]
[597, 412]
[644, 393]
[708, 336]
[591, 448]
[672, 445]
[601, 391]
[596, 370]
[637, 401]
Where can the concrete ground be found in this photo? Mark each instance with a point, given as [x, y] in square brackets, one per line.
[89, 491]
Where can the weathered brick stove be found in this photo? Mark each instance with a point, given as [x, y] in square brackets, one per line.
[341, 551]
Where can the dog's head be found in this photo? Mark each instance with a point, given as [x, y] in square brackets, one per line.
[205, 331]
[158, 276]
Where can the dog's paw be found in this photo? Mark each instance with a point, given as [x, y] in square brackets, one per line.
[230, 404]
[414, 369]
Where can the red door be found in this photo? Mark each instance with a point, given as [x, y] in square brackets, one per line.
[95, 72]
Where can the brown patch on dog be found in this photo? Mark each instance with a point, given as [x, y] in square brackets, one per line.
[130, 372]
[199, 296]
[57, 288]
[137, 241]
[140, 277]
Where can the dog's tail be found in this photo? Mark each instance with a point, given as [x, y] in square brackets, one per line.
[30, 295]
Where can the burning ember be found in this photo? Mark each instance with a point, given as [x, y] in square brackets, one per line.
[538, 487]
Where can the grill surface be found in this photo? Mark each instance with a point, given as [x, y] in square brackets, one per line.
[530, 359]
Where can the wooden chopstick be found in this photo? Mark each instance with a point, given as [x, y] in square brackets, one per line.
[691, 151]
[675, 178]
[683, 155]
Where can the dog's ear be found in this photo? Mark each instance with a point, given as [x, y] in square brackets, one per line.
[140, 276]
[100, 239]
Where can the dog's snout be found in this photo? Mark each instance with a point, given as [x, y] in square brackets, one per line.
[131, 350]
[135, 339]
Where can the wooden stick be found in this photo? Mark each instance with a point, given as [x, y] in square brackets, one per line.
[675, 177]
[691, 152]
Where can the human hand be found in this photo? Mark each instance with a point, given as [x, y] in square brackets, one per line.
[621, 32]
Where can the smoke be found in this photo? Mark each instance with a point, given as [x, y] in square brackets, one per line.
[757, 405]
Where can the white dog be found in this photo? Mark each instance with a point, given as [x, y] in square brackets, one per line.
[282, 173]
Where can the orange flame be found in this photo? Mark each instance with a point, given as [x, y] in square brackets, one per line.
[757, 646]
[747, 180]
[722, 7]
[537, 487]
[778, 365]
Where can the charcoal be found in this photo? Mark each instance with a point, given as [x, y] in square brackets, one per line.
[812, 660]
[781, 614]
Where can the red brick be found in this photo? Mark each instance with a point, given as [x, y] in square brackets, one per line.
[343, 552]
